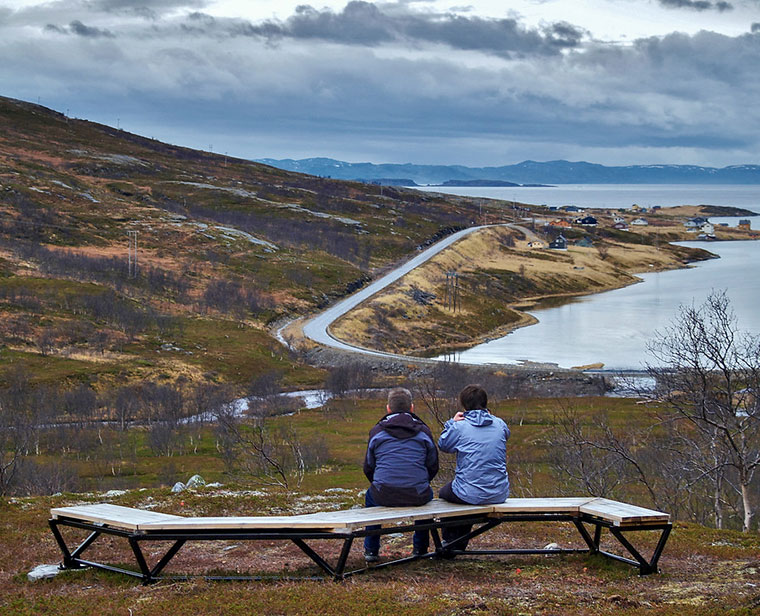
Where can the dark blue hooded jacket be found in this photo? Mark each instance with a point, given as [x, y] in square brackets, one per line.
[480, 442]
[401, 460]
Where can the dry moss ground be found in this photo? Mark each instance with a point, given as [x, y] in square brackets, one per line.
[703, 571]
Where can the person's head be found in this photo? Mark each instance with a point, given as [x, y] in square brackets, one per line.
[399, 400]
[473, 397]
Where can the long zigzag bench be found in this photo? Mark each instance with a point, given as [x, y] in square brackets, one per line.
[139, 526]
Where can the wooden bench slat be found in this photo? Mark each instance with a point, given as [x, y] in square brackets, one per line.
[622, 514]
[346, 519]
[115, 516]
[569, 505]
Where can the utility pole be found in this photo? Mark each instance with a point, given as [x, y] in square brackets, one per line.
[132, 262]
[451, 299]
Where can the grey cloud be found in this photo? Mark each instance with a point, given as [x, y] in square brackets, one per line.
[697, 5]
[78, 28]
[142, 7]
[755, 27]
[364, 23]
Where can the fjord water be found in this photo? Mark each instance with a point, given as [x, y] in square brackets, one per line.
[617, 195]
[614, 327]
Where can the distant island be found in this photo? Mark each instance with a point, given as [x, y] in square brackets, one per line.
[489, 183]
[525, 173]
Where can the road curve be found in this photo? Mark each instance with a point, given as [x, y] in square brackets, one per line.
[317, 328]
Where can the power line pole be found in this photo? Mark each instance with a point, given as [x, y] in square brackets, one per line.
[132, 273]
[451, 299]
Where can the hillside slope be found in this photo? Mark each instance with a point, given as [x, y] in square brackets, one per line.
[223, 247]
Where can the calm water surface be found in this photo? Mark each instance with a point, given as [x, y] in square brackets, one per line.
[614, 327]
[619, 195]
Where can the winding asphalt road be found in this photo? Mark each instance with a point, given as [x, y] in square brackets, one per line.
[318, 328]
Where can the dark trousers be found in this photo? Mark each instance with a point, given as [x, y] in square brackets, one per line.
[420, 540]
[450, 533]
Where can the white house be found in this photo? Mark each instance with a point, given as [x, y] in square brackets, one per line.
[639, 221]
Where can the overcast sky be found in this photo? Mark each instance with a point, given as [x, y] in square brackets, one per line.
[483, 82]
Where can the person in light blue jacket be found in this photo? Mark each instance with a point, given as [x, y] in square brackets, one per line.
[479, 440]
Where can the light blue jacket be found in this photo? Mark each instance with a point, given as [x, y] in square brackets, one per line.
[480, 442]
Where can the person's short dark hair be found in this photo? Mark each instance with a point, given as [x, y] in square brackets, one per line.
[473, 397]
[400, 400]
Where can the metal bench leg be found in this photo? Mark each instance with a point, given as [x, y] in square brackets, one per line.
[593, 544]
[166, 558]
[70, 559]
[147, 578]
[436, 539]
[645, 566]
[337, 572]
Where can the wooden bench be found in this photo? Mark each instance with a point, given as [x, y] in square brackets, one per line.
[589, 515]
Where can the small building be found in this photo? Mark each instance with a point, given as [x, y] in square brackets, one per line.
[537, 245]
[695, 223]
[558, 243]
[640, 221]
[707, 228]
[561, 223]
[585, 242]
[616, 219]
[744, 224]
[586, 221]
[621, 226]
[572, 208]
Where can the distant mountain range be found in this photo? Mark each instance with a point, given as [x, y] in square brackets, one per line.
[526, 172]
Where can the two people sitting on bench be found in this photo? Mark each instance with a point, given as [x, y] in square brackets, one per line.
[402, 459]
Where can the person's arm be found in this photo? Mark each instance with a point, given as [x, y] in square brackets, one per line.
[369, 461]
[431, 459]
[449, 437]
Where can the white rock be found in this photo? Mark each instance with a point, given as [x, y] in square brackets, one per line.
[195, 481]
[178, 487]
[551, 546]
[43, 572]
[112, 493]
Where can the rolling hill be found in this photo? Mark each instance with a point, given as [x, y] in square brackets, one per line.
[124, 258]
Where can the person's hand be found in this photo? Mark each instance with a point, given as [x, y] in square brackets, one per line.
[459, 416]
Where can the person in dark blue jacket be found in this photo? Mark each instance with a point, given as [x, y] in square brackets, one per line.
[401, 460]
[479, 440]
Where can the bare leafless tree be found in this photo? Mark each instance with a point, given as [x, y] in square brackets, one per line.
[276, 457]
[18, 430]
[708, 378]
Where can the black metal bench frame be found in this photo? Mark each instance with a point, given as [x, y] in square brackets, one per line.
[72, 558]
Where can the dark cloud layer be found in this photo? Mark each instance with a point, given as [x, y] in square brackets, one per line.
[364, 23]
[390, 81]
[698, 5]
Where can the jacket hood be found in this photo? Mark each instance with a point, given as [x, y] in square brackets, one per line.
[478, 418]
[402, 425]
